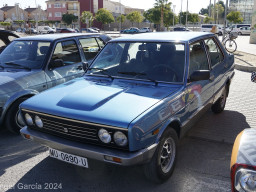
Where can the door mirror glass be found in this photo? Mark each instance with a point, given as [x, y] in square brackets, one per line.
[85, 66]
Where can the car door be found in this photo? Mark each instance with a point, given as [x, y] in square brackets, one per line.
[218, 66]
[90, 47]
[198, 93]
[65, 63]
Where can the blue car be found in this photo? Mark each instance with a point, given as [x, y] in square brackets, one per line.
[139, 96]
[131, 30]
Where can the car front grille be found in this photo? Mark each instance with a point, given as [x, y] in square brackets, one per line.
[75, 130]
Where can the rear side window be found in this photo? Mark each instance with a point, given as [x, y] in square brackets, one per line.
[67, 51]
[90, 48]
[100, 42]
[198, 59]
[215, 53]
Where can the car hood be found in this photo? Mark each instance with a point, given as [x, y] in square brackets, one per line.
[114, 103]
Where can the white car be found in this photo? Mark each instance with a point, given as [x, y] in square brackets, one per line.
[45, 30]
[244, 31]
[145, 29]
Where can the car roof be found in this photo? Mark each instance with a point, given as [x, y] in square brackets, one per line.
[9, 33]
[53, 37]
[165, 37]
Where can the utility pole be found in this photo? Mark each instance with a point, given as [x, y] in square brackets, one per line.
[214, 11]
[210, 8]
[181, 11]
[173, 14]
[120, 26]
[187, 16]
[225, 20]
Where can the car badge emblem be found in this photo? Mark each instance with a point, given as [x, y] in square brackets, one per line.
[65, 130]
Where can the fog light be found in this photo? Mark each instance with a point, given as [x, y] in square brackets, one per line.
[104, 136]
[28, 119]
[120, 139]
[39, 122]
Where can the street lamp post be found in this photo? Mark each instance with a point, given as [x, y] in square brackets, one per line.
[225, 20]
[187, 15]
[173, 14]
[181, 10]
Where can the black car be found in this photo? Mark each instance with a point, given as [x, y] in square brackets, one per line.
[180, 29]
[5, 38]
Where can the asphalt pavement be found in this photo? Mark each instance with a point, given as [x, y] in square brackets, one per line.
[202, 164]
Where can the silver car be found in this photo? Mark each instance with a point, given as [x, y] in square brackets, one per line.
[33, 64]
[244, 31]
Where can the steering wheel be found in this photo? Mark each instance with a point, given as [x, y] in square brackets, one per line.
[166, 71]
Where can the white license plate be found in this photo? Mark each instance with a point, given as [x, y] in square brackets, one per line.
[69, 158]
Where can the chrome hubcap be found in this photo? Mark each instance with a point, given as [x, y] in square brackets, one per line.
[167, 155]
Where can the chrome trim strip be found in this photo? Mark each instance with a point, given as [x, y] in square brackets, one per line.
[77, 121]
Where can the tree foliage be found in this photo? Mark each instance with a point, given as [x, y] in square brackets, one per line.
[135, 16]
[5, 23]
[204, 11]
[192, 17]
[208, 19]
[121, 18]
[235, 17]
[87, 17]
[69, 18]
[19, 22]
[162, 5]
[104, 16]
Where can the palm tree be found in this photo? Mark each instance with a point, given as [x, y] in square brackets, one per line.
[161, 4]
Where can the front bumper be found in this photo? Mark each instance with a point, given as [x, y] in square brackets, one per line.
[90, 151]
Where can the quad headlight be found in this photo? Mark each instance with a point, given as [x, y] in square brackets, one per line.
[38, 122]
[28, 119]
[245, 180]
[104, 136]
[120, 139]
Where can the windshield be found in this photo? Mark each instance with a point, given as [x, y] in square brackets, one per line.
[145, 61]
[26, 54]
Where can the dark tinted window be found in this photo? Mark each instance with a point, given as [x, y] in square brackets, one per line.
[67, 51]
[197, 57]
[215, 53]
[90, 47]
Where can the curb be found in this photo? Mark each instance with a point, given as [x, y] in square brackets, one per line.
[244, 68]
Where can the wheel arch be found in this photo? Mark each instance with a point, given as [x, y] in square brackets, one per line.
[228, 85]
[173, 123]
[13, 99]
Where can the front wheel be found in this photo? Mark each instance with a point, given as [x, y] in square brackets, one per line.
[230, 45]
[162, 164]
[12, 121]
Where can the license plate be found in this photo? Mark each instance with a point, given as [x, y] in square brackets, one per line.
[69, 158]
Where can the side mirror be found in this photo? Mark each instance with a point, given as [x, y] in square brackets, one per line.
[253, 77]
[85, 66]
[199, 75]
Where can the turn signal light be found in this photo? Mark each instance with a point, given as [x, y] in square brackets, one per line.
[114, 159]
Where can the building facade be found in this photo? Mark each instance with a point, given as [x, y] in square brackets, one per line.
[1, 15]
[35, 14]
[253, 31]
[13, 13]
[56, 8]
[245, 7]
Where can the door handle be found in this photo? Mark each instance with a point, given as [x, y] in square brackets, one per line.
[211, 78]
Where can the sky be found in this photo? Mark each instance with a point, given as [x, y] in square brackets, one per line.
[194, 5]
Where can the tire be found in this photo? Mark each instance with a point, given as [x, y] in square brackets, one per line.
[11, 120]
[219, 105]
[239, 33]
[156, 170]
[230, 45]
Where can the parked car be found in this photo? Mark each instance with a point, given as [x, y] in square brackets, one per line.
[6, 37]
[58, 30]
[68, 30]
[145, 29]
[236, 27]
[243, 163]
[45, 30]
[21, 30]
[131, 30]
[89, 30]
[54, 29]
[180, 29]
[31, 31]
[244, 31]
[138, 97]
[33, 64]
[95, 28]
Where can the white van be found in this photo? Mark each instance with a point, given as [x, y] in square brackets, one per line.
[45, 30]
[208, 28]
[236, 27]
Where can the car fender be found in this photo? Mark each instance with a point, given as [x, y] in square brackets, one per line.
[14, 98]
[166, 125]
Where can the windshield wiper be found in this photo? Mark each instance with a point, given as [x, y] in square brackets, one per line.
[103, 71]
[132, 73]
[18, 65]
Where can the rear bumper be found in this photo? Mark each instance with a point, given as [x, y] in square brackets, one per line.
[90, 151]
